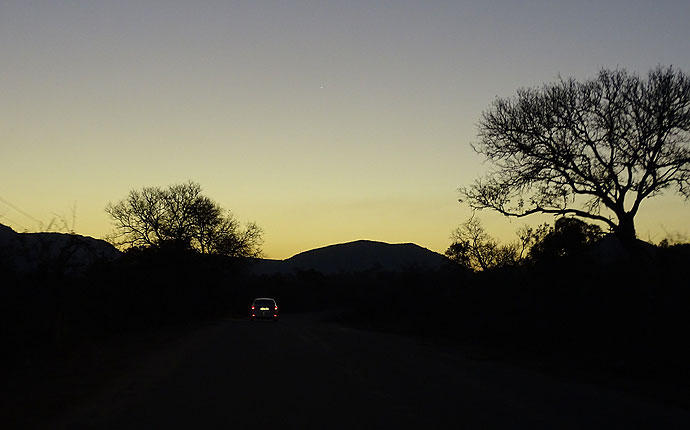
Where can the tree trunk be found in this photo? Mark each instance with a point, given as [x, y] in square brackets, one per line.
[626, 228]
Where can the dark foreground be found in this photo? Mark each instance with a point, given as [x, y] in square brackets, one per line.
[305, 373]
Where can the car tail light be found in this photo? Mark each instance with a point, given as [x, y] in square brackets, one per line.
[252, 307]
[276, 307]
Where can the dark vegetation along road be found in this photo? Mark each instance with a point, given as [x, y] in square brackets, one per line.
[304, 372]
[161, 339]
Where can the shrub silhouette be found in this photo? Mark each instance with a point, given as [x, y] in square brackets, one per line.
[568, 237]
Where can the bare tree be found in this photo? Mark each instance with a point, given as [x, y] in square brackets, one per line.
[474, 249]
[180, 216]
[577, 148]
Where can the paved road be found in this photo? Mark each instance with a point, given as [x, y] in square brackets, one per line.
[301, 373]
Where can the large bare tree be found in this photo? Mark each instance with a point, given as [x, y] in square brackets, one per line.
[595, 149]
[182, 216]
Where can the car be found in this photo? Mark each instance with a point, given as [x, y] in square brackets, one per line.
[264, 307]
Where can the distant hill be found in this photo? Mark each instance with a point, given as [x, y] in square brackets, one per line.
[354, 257]
[71, 253]
[55, 252]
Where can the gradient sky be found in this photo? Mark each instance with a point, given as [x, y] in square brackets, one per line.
[322, 121]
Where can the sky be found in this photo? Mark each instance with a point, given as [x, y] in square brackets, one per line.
[322, 121]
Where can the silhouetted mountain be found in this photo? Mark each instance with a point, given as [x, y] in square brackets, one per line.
[354, 257]
[57, 253]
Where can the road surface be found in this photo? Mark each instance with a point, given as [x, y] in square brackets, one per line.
[302, 373]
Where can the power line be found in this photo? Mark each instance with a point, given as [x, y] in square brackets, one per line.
[19, 210]
[14, 222]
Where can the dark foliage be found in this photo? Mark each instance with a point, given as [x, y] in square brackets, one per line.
[627, 315]
[144, 289]
[568, 237]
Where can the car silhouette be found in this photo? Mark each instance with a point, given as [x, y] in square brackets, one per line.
[264, 307]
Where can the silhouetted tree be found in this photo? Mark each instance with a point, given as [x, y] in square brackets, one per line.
[474, 249]
[569, 236]
[180, 216]
[575, 148]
